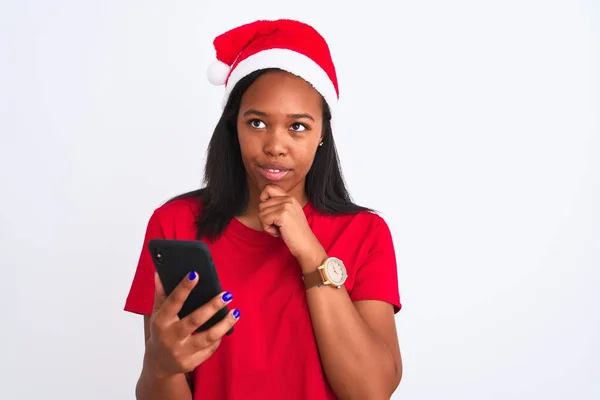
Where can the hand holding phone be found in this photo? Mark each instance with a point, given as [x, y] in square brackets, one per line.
[174, 347]
[176, 259]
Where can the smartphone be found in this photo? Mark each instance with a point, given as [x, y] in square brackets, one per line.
[174, 260]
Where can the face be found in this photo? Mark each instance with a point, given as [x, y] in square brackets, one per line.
[279, 130]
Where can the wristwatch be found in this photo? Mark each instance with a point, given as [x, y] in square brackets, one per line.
[331, 273]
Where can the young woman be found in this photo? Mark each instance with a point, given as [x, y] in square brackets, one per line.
[310, 277]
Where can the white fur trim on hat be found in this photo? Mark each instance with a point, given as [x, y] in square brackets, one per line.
[290, 61]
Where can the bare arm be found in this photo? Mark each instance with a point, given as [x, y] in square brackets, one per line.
[151, 387]
[357, 342]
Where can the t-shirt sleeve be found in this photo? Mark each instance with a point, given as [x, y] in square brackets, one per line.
[377, 276]
[140, 299]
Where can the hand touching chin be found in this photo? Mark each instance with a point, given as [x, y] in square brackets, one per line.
[281, 215]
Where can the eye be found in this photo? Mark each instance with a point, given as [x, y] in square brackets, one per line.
[256, 123]
[298, 127]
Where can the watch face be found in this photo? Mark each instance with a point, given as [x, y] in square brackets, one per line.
[336, 271]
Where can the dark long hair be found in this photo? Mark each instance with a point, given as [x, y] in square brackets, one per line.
[225, 194]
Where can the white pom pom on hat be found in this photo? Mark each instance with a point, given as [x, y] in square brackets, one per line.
[218, 72]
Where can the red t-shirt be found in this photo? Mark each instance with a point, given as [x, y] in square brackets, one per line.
[272, 353]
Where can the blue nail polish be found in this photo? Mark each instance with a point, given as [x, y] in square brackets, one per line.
[227, 296]
[236, 314]
[192, 276]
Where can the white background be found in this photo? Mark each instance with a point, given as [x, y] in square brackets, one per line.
[473, 126]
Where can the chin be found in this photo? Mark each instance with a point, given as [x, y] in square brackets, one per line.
[285, 183]
[282, 184]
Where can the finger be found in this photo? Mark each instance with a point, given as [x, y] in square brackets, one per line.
[273, 201]
[200, 356]
[272, 230]
[172, 304]
[275, 214]
[159, 294]
[209, 337]
[202, 314]
[271, 220]
[276, 207]
[271, 191]
[264, 195]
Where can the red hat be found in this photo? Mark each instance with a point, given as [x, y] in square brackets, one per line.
[289, 45]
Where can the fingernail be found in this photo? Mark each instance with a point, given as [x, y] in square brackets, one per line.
[227, 296]
[236, 314]
[192, 275]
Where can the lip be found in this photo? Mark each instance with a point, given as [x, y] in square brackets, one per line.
[273, 172]
[277, 166]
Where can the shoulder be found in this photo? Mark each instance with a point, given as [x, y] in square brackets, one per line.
[362, 229]
[362, 222]
[179, 207]
[370, 220]
[372, 228]
[177, 217]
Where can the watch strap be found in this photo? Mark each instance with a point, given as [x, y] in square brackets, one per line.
[313, 279]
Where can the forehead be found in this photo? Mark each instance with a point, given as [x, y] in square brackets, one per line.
[279, 91]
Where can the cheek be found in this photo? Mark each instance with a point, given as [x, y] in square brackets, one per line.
[306, 151]
[306, 159]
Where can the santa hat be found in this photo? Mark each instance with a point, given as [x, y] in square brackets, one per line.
[289, 45]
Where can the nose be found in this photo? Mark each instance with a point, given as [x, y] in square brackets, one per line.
[275, 144]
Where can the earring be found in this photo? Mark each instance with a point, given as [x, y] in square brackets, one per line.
[320, 144]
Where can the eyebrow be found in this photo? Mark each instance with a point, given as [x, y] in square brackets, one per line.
[252, 111]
